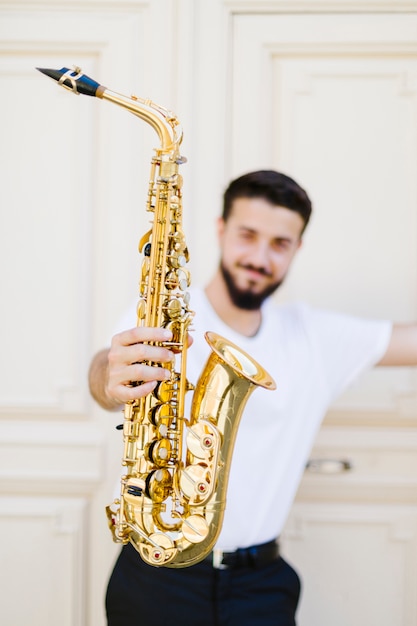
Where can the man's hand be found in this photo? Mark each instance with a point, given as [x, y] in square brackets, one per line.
[121, 374]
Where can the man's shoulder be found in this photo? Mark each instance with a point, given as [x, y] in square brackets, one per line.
[287, 310]
[301, 315]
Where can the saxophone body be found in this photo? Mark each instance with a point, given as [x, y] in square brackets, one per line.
[176, 468]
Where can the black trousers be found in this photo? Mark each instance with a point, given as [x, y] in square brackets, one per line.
[141, 595]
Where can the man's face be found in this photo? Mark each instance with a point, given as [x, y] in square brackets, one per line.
[257, 243]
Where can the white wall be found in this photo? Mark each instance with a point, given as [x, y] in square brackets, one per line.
[325, 91]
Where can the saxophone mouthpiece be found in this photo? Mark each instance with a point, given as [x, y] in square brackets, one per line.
[74, 80]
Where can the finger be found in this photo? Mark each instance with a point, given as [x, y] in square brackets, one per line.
[178, 347]
[120, 380]
[125, 394]
[140, 373]
[141, 334]
[124, 356]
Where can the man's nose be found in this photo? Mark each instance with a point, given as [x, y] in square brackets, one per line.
[260, 256]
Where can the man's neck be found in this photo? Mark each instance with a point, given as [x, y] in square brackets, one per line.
[245, 322]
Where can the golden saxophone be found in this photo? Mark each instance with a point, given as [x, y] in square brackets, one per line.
[173, 492]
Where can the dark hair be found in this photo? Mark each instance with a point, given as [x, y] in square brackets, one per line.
[277, 188]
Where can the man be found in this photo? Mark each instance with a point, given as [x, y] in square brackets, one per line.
[313, 355]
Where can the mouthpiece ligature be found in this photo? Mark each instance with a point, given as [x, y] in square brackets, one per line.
[74, 80]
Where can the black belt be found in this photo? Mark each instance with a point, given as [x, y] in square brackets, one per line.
[252, 557]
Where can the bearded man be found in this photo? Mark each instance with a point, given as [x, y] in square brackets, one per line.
[313, 354]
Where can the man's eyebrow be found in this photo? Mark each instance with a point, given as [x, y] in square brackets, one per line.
[246, 229]
[279, 239]
[283, 239]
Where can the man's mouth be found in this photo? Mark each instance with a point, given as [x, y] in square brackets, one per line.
[257, 272]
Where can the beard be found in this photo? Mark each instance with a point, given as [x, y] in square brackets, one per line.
[245, 298]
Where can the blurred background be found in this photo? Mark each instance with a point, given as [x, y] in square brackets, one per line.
[325, 91]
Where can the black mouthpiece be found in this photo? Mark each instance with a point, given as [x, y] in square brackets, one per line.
[74, 80]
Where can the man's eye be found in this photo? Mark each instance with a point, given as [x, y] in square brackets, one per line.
[246, 236]
[281, 244]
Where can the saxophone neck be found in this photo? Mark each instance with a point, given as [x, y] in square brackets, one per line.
[162, 120]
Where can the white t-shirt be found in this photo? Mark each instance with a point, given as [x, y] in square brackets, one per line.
[313, 355]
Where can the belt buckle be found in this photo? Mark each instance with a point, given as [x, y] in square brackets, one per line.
[218, 559]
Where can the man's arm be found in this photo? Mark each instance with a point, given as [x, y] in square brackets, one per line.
[97, 380]
[402, 348]
[112, 371]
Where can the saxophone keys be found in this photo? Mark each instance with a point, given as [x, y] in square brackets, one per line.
[171, 280]
[159, 485]
[176, 326]
[134, 490]
[173, 309]
[141, 309]
[195, 482]
[165, 392]
[177, 279]
[177, 260]
[144, 240]
[195, 528]
[174, 202]
[159, 551]
[159, 452]
[200, 441]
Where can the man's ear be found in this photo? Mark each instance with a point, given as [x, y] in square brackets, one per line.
[220, 227]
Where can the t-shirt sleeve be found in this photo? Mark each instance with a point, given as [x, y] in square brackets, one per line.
[126, 321]
[346, 346]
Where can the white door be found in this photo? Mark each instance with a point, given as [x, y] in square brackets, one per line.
[329, 98]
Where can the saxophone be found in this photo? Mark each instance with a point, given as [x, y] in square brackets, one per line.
[173, 491]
